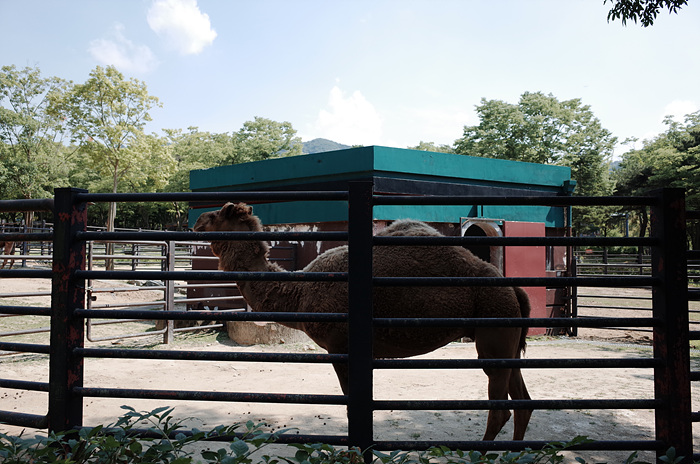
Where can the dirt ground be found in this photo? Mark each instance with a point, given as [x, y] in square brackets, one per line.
[320, 379]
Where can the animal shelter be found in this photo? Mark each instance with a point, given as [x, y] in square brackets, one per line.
[395, 171]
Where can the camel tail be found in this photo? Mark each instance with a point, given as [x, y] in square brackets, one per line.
[524, 302]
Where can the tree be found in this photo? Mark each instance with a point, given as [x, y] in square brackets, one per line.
[671, 159]
[430, 146]
[194, 150]
[32, 159]
[264, 138]
[643, 10]
[541, 129]
[106, 116]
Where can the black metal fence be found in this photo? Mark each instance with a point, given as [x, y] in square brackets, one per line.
[669, 320]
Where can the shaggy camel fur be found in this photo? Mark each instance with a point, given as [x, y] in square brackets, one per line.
[8, 248]
[332, 297]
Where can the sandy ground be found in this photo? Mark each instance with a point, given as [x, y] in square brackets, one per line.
[389, 384]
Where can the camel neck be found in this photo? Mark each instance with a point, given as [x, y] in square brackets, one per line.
[261, 296]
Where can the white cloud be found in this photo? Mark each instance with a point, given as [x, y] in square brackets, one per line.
[182, 25]
[351, 120]
[122, 53]
[679, 108]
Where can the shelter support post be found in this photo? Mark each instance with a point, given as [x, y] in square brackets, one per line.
[671, 343]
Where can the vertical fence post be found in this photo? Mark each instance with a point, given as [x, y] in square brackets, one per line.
[168, 336]
[67, 293]
[360, 398]
[671, 343]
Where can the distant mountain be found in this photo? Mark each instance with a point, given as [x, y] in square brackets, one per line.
[321, 145]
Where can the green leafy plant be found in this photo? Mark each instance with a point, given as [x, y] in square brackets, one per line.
[165, 441]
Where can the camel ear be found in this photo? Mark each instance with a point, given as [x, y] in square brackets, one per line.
[233, 210]
[228, 210]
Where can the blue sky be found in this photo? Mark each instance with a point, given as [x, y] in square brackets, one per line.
[384, 72]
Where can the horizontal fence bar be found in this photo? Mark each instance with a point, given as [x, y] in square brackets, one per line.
[26, 310]
[378, 322]
[607, 445]
[340, 440]
[627, 281]
[20, 419]
[616, 297]
[197, 315]
[214, 196]
[596, 322]
[342, 236]
[215, 275]
[573, 363]
[209, 355]
[26, 237]
[380, 240]
[456, 405]
[24, 385]
[191, 395]
[514, 201]
[27, 273]
[25, 347]
[17, 206]
[339, 236]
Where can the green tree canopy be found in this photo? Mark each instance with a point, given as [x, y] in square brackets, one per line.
[262, 139]
[643, 10]
[431, 146]
[541, 129]
[672, 159]
[106, 116]
[32, 158]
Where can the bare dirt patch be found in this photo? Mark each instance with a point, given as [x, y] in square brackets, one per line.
[320, 379]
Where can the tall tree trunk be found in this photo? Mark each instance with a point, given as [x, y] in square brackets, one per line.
[643, 224]
[111, 218]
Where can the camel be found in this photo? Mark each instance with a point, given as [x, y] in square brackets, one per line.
[8, 249]
[407, 261]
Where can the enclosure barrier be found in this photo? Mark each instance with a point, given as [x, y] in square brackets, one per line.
[670, 361]
[143, 255]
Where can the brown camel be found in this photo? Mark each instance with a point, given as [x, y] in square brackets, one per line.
[332, 297]
[8, 248]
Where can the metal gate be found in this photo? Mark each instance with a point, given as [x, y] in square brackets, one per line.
[670, 360]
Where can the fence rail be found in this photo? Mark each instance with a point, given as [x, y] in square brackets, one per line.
[669, 321]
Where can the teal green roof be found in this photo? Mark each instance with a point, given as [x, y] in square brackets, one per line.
[394, 170]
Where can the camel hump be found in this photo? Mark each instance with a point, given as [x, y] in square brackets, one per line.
[524, 302]
[409, 227]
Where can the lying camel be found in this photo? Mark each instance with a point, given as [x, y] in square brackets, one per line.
[405, 261]
[8, 248]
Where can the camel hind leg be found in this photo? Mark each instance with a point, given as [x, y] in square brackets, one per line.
[503, 343]
[518, 391]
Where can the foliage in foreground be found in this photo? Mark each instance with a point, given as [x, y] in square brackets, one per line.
[119, 444]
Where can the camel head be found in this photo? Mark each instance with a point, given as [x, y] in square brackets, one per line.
[232, 216]
[236, 217]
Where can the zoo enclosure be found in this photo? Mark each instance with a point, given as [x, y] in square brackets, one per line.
[669, 320]
[134, 255]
